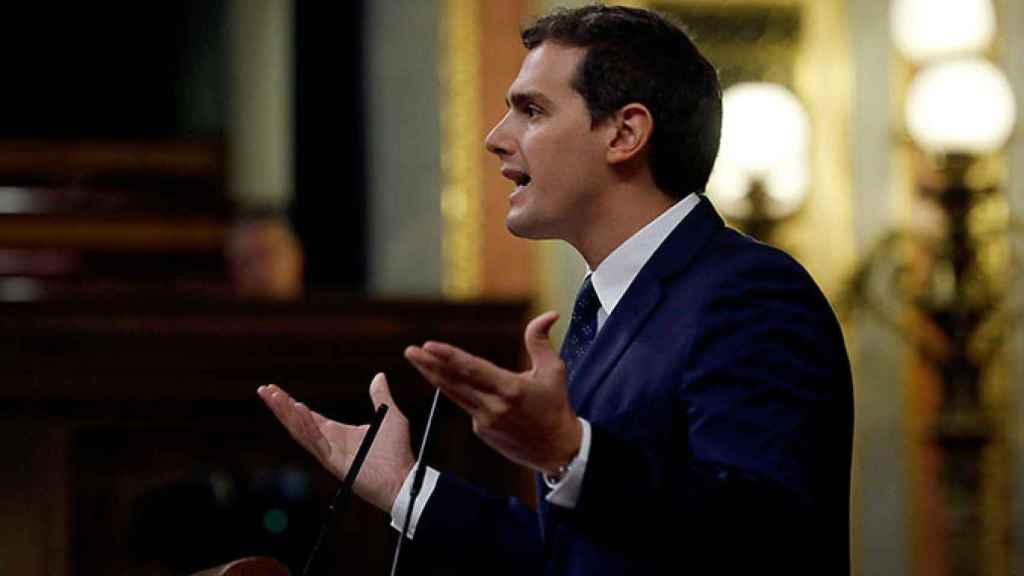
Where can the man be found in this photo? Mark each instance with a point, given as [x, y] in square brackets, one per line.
[699, 418]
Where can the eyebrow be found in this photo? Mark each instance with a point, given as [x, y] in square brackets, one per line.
[519, 99]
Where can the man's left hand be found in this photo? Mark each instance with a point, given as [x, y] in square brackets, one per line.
[525, 416]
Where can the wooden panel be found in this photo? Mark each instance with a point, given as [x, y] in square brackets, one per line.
[171, 464]
[93, 217]
[502, 53]
[97, 163]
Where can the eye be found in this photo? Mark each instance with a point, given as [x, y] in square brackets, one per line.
[532, 110]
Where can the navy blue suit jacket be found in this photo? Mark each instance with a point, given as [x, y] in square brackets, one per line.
[720, 399]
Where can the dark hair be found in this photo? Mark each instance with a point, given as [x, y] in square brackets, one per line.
[640, 56]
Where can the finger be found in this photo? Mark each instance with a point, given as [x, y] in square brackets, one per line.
[479, 383]
[287, 411]
[537, 335]
[290, 414]
[380, 392]
[284, 411]
[442, 375]
[276, 400]
[321, 448]
[430, 368]
[319, 419]
[475, 371]
[538, 341]
[267, 392]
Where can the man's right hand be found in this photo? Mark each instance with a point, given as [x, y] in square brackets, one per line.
[335, 444]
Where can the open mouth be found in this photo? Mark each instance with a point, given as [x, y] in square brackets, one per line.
[520, 178]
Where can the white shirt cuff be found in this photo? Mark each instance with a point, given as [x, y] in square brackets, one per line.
[401, 504]
[566, 492]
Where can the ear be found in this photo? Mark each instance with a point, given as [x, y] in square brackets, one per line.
[632, 127]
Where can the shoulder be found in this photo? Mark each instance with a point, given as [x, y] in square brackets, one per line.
[730, 264]
[744, 288]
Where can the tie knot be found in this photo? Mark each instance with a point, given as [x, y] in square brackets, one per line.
[585, 309]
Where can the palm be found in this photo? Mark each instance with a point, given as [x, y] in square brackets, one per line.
[335, 444]
[527, 417]
[391, 451]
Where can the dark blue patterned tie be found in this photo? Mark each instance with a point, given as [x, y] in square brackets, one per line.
[582, 328]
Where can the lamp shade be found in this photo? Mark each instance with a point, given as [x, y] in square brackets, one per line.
[765, 134]
[964, 105]
[924, 30]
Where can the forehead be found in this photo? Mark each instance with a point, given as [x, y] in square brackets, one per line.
[548, 69]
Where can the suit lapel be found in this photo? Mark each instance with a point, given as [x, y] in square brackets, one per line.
[642, 297]
[620, 328]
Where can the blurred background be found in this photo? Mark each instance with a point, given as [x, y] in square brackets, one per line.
[198, 197]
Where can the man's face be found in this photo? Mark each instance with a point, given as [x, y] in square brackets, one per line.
[547, 147]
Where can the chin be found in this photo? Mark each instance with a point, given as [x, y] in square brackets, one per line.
[522, 227]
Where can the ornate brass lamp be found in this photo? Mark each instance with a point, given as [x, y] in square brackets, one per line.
[762, 175]
[959, 112]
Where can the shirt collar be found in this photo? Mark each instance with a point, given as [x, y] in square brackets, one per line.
[616, 273]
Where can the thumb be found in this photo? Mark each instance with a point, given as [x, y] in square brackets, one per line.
[538, 343]
[380, 393]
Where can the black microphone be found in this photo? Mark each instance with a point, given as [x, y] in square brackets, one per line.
[417, 483]
[344, 494]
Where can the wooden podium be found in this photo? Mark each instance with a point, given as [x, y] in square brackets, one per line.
[259, 566]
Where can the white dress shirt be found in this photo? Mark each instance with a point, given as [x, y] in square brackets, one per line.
[611, 279]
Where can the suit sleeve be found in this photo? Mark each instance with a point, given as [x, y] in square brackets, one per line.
[463, 528]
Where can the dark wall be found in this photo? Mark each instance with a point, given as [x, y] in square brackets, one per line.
[102, 74]
[329, 212]
[110, 70]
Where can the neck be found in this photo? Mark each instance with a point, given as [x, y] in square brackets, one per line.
[624, 211]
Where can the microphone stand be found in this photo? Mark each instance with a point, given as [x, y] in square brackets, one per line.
[417, 483]
[344, 494]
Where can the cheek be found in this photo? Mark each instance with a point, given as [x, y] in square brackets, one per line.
[562, 156]
[575, 164]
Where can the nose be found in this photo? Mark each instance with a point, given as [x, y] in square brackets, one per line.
[498, 141]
